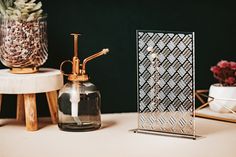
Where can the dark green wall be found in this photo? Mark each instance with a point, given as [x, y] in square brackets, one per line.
[112, 24]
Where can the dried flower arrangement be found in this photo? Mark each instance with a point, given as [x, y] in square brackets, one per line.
[225, 72]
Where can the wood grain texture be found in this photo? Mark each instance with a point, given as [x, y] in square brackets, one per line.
[20, 109]
[30, 112]
[52, 104]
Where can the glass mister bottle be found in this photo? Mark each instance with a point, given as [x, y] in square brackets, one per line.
[79, 101]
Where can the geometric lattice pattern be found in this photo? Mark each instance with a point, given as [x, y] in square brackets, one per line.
[166, 82]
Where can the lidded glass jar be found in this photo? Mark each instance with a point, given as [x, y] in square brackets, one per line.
[79, 100]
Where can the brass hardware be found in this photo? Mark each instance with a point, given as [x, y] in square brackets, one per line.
[79, 70]
[75, 66]
[78, 77]
[61, 66]
[103, 52]
[26, 70]
[75, 43]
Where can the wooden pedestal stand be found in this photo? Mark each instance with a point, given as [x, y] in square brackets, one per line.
[26, 86]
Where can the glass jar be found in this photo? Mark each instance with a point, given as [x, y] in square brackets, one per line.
[79, 107]
[23, 44]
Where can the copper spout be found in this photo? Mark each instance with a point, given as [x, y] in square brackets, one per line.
[103, 52]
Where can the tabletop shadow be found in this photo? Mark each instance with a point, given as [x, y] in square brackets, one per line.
[108, 124]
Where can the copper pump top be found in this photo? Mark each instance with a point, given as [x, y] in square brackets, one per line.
[79, 70]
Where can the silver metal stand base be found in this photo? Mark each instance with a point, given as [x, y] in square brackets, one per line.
[164, 133]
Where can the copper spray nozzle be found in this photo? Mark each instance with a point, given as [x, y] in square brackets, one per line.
[79, 70]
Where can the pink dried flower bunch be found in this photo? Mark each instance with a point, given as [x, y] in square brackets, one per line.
[225, 72]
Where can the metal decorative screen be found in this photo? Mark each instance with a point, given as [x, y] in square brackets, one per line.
[166, 82]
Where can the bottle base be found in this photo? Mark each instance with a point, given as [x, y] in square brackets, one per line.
[74, 127]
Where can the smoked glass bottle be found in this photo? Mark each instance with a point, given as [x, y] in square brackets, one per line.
[79, 101]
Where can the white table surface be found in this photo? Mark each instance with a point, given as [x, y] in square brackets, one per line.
[218, 139]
